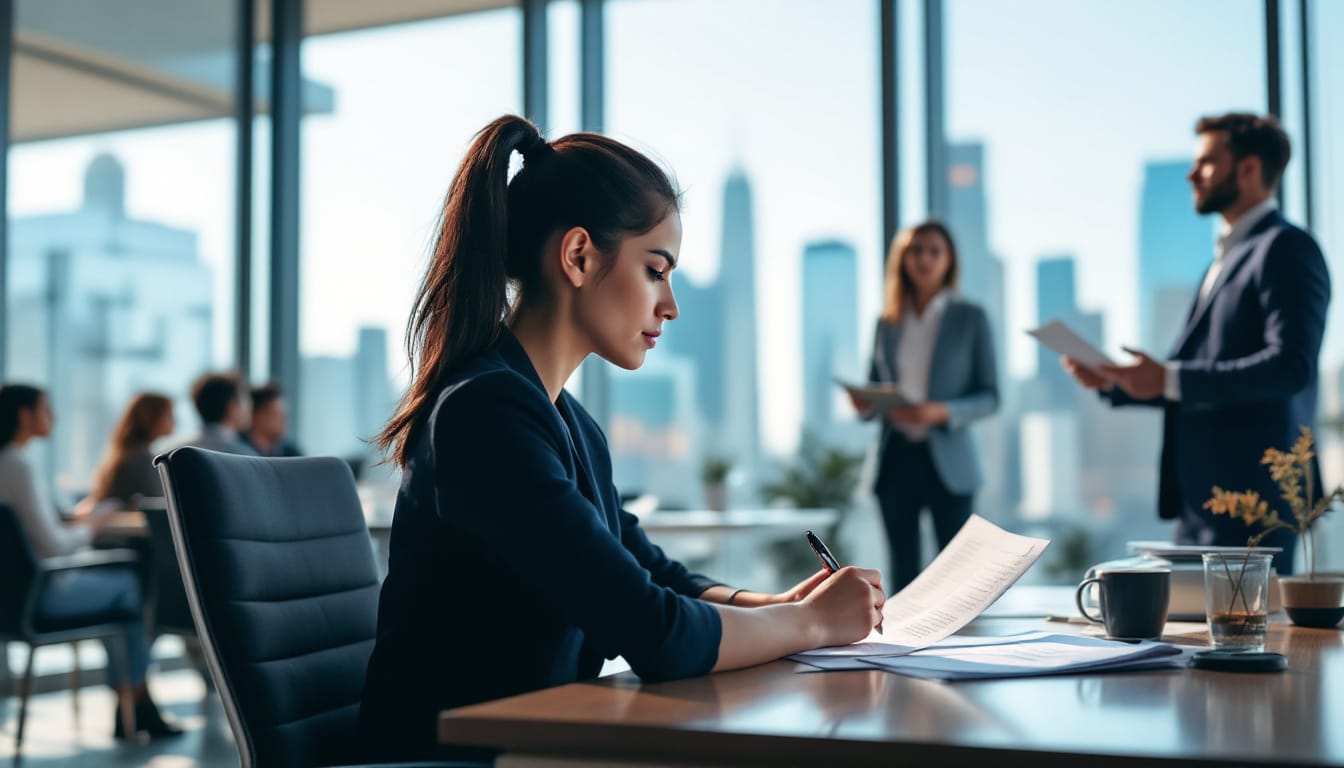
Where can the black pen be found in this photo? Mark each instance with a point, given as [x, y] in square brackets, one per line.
[828, 560]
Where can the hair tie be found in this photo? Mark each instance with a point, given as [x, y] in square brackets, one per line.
[537, 150]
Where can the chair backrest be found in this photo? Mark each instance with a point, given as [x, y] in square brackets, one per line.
[280, 576]
[17, 568]
[172, 614]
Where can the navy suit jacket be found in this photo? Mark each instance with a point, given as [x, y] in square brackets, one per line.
[1248, 361]
[961, 374]
[512, 565]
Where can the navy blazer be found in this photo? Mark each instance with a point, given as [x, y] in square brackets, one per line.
[961, 374]
[512, 565]
[1248, 360]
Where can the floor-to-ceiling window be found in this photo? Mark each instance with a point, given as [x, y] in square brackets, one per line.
[1068, 133]
[407, 100]
[767, 113]
[1325, 66]
[121, 210]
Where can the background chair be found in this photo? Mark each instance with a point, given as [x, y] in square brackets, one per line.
[24, 580]
[281, 581]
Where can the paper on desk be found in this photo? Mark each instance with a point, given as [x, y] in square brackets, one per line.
[1064, 340]
[853, 656]
[980, 563]
[1047, 654]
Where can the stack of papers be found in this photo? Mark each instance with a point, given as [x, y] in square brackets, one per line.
[1028, 654]
[1047, 654]
[975, 568]
[980, 563]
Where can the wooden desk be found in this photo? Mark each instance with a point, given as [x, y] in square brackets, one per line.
[780, 714]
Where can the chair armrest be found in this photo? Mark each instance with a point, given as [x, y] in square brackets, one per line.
[90, 558]
[47, 567]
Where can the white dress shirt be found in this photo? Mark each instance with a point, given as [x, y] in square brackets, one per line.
[22, 491]
[1228, 239]
[919, 332]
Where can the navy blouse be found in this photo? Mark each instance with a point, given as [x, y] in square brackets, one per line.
[513, 566]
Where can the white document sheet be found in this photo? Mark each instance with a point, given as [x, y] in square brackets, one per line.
[980, 563]
[1064, 340]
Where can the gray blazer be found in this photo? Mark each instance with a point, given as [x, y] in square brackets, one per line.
[961, 375]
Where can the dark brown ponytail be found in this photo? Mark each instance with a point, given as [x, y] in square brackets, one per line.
[491, 235]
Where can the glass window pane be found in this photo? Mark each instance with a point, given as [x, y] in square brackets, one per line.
[1067, 150]
[777, 149]
[122, 212]
[1325, 19]
[407, 100]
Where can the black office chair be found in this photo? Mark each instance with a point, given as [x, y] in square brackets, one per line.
[24, 580]
[171, 613]
[282, 585]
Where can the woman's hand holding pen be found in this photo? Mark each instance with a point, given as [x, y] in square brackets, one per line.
[846, 605]
[922, 415]
[803, 589]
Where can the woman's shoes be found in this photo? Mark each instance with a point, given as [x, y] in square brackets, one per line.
[148, 720]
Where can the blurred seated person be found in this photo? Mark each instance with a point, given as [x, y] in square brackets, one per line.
[25, 415]
[270, 422]
[127, 471]
[225, 408]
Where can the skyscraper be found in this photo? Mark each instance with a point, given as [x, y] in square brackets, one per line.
[653, 430]
[697, 335]
[738, 433]
[1175, 248]
[374, 401]
[982, 281]
[968, 218]
[829, 329]
[1057, 299]
[104, 306]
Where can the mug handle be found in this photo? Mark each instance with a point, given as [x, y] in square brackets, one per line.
[1078, 599]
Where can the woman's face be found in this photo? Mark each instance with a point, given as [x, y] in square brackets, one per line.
[39, 419]
[623, 312]
[926, 262]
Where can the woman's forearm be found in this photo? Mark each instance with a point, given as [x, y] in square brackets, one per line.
[756, 635]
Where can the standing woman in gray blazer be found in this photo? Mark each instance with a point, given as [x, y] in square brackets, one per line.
[935, 346]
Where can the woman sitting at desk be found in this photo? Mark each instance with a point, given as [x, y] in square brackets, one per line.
[25, 415]
[127, 472]
[512, 566]
[936, 347]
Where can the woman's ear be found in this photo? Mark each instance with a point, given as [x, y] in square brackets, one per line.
[576, 256]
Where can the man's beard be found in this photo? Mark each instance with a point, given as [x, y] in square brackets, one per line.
[1222, 195]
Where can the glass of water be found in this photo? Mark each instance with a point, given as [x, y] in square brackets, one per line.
[1236, 600]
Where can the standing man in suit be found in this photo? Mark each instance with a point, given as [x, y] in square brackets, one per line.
[1242, 376]
[936, 347]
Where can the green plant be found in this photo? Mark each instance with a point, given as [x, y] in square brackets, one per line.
[1073, 554]
[715, 469]
[821, 476]
[1292, 471]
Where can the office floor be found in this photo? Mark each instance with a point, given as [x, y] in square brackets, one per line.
[51, 738]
